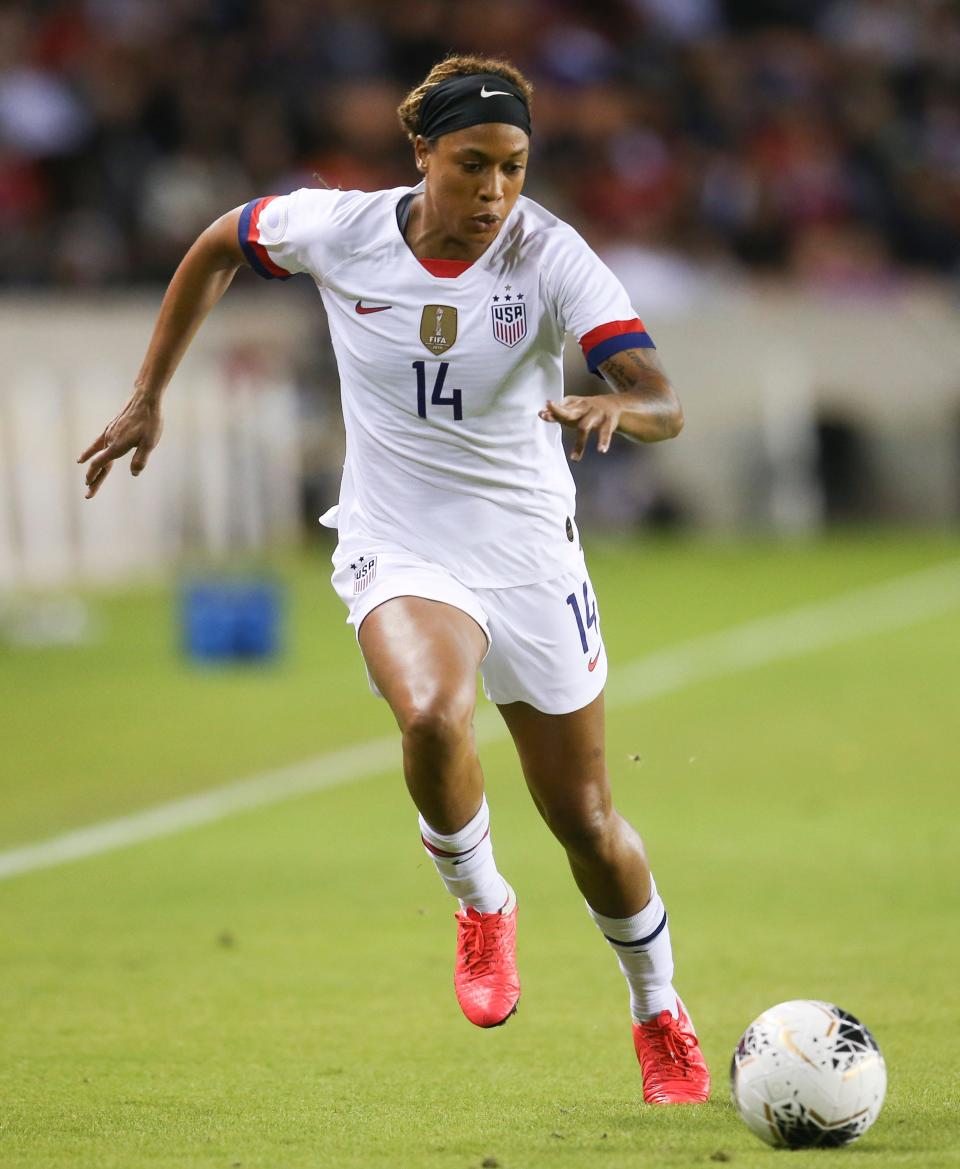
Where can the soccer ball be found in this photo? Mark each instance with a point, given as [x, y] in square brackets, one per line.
[806, 1073]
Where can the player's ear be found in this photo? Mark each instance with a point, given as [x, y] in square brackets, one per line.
[421, 149]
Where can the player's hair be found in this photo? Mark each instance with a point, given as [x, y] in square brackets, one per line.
[456, 65]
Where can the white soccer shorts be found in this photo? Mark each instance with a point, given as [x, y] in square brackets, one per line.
[544, 645]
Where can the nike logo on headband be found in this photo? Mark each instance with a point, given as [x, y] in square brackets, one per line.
[484, 92]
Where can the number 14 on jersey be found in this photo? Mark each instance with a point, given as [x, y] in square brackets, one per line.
[436, 398]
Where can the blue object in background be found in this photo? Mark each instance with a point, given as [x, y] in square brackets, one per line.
[232, 620]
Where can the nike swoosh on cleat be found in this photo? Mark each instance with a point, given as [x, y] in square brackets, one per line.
[484, 92]
[592, 664]
[374, 309]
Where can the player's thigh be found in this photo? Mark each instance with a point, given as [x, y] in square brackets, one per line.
[423, 656]
[563, 761]
[421, 632]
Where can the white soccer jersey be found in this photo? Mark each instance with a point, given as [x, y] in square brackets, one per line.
[442, 378]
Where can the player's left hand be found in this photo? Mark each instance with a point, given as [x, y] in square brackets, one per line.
[600, 412]
[136, 428]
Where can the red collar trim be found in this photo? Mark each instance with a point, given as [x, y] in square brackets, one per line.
[446, 268]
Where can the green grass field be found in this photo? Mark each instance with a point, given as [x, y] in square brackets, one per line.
[274, 991]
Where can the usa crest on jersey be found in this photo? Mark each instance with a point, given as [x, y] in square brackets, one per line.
[364, 573]
[509, 323]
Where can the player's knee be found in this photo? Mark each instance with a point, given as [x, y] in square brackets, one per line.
[585, 828]
[438, 726]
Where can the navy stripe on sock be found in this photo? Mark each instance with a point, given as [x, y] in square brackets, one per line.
[640, 941]
[449, 855]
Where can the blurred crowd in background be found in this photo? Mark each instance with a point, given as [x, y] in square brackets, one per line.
[818, 139]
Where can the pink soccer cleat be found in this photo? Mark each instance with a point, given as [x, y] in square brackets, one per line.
[671, 1062]
[486, 978]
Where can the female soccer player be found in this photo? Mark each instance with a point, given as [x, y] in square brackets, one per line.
[448, 304]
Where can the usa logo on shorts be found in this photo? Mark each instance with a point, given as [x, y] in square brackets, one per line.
[364, 573]
[509, 323]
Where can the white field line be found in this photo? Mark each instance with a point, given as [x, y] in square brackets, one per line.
[894, 604]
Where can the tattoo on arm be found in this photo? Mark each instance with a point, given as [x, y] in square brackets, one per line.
[633, 369]
[639, 373]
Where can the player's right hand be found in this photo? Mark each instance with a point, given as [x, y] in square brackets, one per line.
[137, 427]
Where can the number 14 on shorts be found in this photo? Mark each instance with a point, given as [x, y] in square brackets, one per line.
[587, 618]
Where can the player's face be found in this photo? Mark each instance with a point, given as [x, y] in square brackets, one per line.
[473, 178]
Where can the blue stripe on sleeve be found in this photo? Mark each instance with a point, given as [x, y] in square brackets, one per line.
[249, 250]
[616, 344]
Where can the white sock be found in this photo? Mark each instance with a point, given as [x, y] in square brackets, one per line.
[642, 946]
[466, 866]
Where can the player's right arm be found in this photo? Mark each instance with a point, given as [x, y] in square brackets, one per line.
[204, 275]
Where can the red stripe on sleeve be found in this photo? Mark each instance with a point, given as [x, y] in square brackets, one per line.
[253, 238]
[611, 329]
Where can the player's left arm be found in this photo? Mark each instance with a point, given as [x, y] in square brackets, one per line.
[643, 405]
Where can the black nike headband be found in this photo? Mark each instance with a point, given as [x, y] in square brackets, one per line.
[459, 102]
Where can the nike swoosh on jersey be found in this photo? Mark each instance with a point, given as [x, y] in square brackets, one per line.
[381, 308]
[484, 92]
[592, 664]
